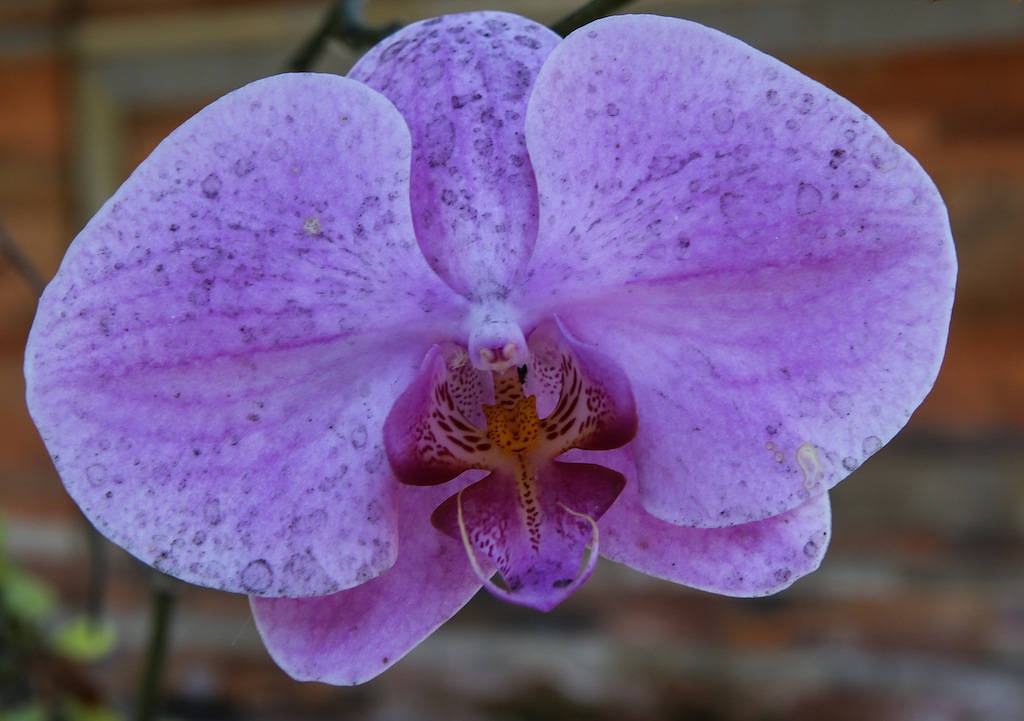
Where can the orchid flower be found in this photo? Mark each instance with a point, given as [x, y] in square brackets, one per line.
[491, 306]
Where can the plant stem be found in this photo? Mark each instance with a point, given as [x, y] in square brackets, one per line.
[343, 22]
[21, 262]
[593, 10]
[156, 654]
[98, 567]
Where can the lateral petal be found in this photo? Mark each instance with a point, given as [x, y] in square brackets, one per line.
[774, 273]
[211, 366]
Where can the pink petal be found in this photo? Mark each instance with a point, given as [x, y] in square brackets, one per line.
[350, 637]
[584, 398]
[752, 559]
[538, 544]
[427, 436]
[211, 366]
[462, 83]
[774, 274]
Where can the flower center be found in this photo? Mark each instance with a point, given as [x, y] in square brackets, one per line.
[496, 342]
[533, 517]
[512, 422]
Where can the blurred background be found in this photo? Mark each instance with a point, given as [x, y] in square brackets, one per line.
[918, 610]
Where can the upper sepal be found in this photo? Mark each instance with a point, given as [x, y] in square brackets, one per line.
[463, 82]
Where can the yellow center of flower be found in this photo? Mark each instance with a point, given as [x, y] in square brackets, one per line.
[513, 429]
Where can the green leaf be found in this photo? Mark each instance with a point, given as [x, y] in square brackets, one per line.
[3, 549]
[31, 712]
[25, 597]
[85, 639]
[77, 711]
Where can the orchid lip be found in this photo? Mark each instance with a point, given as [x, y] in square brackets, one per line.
[533, 517]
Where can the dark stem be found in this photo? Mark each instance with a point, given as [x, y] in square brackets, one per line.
[593, 10]
[21, 262]
[156, 654]
[342, 22]
[98, 555]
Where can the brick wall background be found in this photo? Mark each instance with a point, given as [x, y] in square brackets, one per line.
[918, 611]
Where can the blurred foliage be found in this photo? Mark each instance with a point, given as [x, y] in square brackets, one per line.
[85, 639]
[43, 657]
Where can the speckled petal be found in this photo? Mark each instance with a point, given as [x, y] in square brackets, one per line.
[774, 273]
[350, 637]
[427, 435]
[535, 532]
[583, 398]
[462, 82]
[211, 366]
[752, 559]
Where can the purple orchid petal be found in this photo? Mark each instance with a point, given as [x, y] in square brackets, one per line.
[774, 274]
[350, 637]
[212, 364]
[462, 83]
[535, 534]
[752, 559]
[584, 398]
[430, 435]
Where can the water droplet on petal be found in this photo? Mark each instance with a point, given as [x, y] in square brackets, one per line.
[211, 185]
[257, 576]
[723, 119]
[359, 437]
[730, 204]
[884, 154]
[96, 474]
[806, 104]
[808, 199]
[212, 513]
[809, 460]
[871, 445]
[657, 251]
[244, 166]
[841, 404]
[277, 149]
